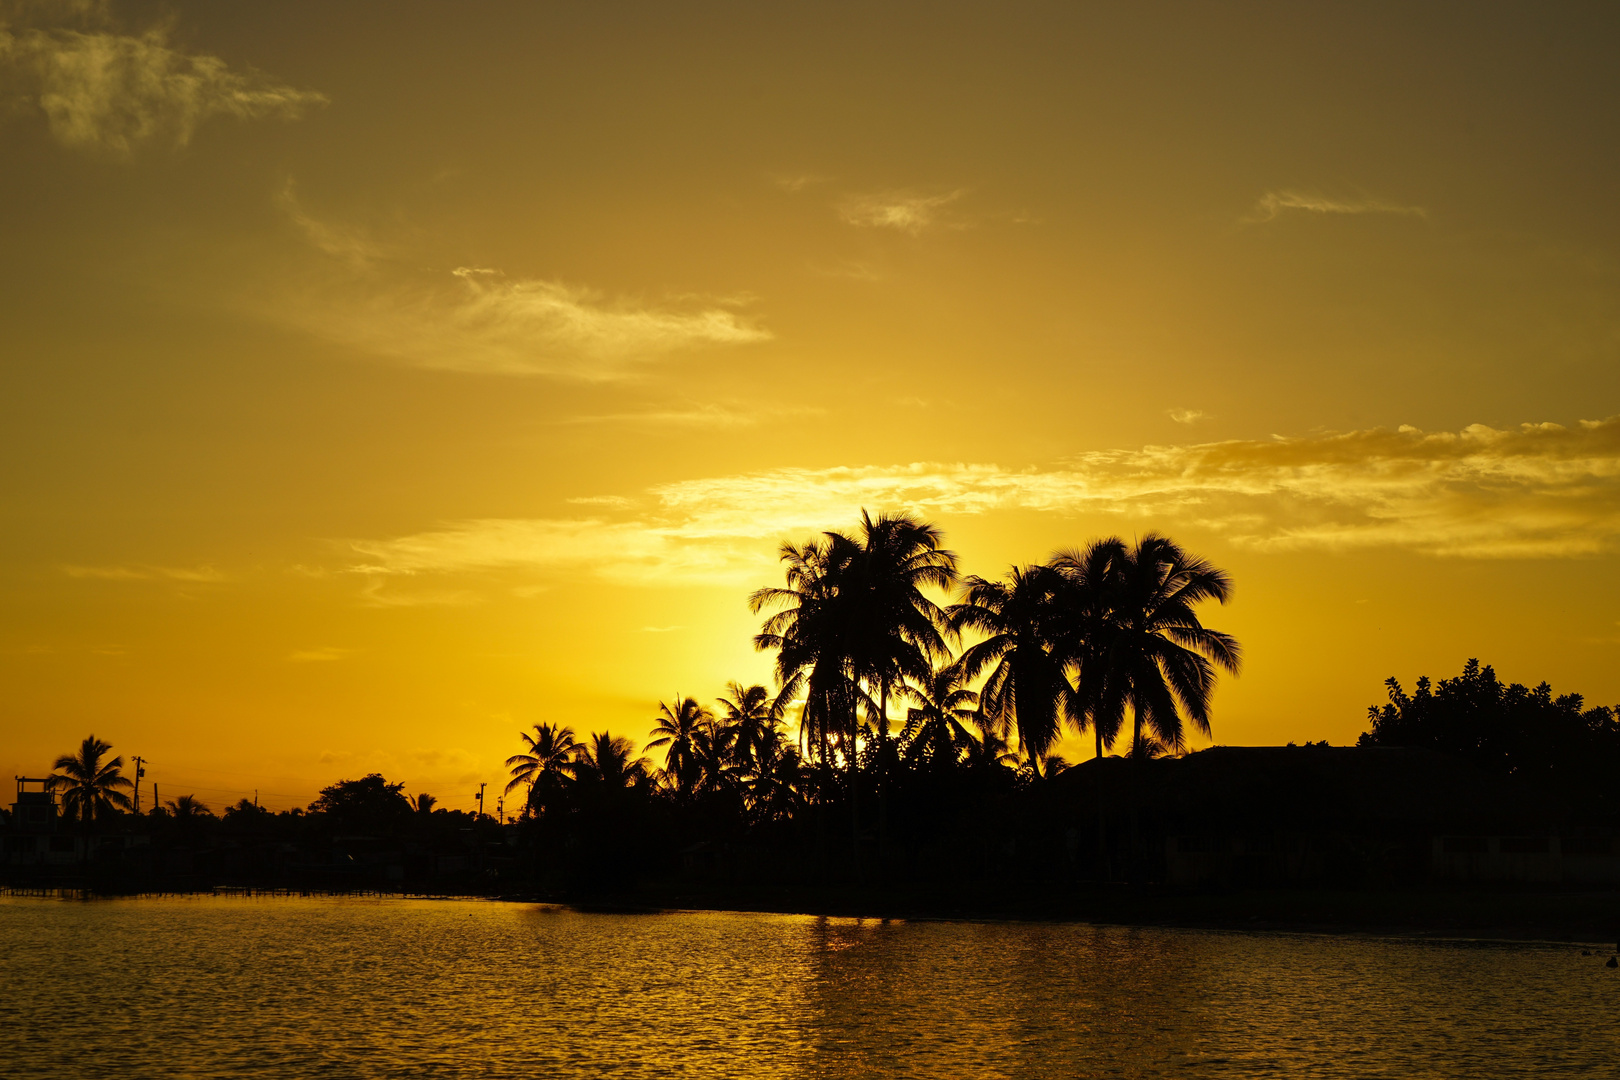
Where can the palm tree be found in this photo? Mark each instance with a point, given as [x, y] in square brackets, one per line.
[91, 789]
[775, 785]
[1026, 690]
[189, 808]
[679, 730]
[936, 728]
[1084, 627]
[751, 716]
[990, 750]
[811, 654]
[898, 631]
[1161, 661]
[423, 804]
[551, 754]
[608, 762]
[854, 625]
[712, 758]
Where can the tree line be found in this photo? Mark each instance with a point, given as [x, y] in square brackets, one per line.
[1555, 743]
[895, 669]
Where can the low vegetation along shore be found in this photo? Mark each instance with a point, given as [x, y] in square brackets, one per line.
[901, 765]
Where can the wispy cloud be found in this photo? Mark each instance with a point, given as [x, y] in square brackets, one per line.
[477, 319]
[110, 92]
[793, 183]
[335, 239]
[701, 415]
[1187, 416]
[906, 211]
[1540, 491]
[193, 574]
[1274, 204]
[618, 501]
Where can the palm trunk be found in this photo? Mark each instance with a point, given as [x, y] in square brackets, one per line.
[1102, 805]
[1136, 796]
[883, 786]
[855, 791]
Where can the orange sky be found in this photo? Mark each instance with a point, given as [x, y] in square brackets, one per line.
[377, 380]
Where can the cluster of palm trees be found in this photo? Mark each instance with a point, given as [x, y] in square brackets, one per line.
[1091, 640]
[744, 751]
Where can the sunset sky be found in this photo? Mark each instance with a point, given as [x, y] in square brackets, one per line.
[380, 379]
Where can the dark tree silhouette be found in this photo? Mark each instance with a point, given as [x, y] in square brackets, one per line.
[546, 766]
[1509, 728]
[92, 789]
[855, 624]
[189, 808]
[810, 642]
[937, 735]
[1161, 660]
[1025, 691]
[609, 763]
[367, 803]
[752, 716]
[687, 735]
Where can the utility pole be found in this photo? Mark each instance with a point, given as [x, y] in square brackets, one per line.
[500, 809]
[481, 801]
[140, 771]
[155, 804]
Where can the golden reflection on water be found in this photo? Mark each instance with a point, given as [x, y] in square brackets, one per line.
[204, 987]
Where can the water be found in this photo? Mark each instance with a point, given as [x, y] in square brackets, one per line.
[293, 988]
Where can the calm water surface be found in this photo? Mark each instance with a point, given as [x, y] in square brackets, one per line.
[289, 988]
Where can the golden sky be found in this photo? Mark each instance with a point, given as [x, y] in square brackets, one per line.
[378, 379]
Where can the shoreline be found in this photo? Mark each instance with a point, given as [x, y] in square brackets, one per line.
[1575, 918]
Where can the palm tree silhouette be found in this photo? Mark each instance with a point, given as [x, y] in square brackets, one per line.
[423, 804]
[1026, 690]
[1082, 628]
[936, 733]
[750, 715]
[91, 788]
[1161, 660]
[609, 763]
[897, 632]
[774, 783]
[1084, 633]
[688, 736]
[188, 808]
[811, 654]
[854, 624]
[545, 768]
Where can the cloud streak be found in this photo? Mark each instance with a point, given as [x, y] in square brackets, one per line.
[193, 575]
[904, 211]
[482, 321]
[339, 241]
[1540, 491]
[111, 92]
[1273, 204]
